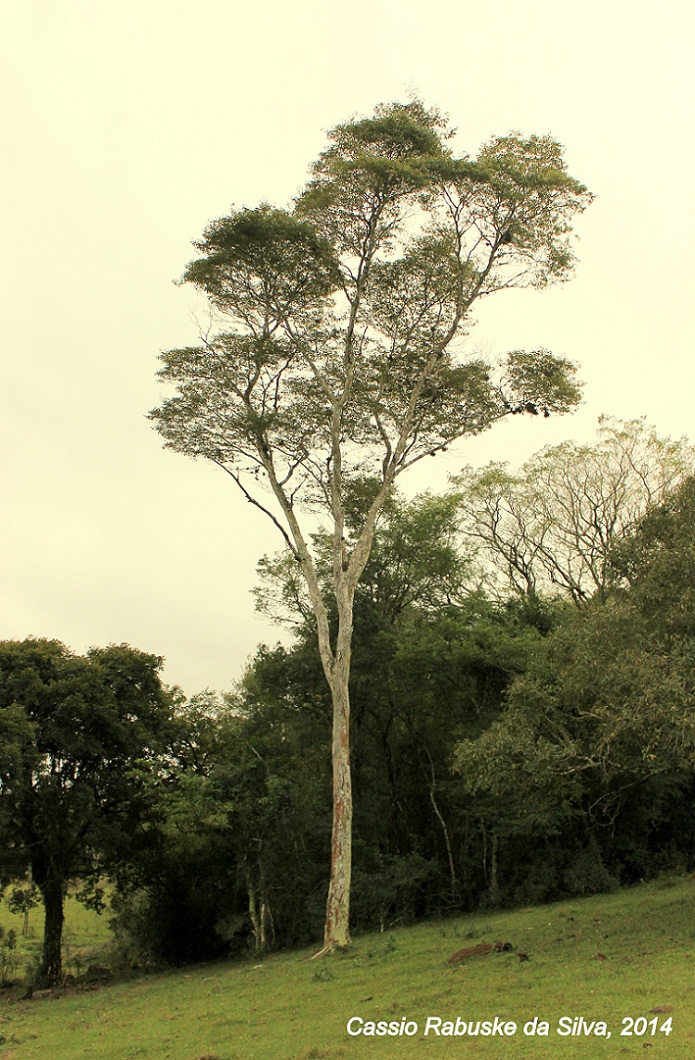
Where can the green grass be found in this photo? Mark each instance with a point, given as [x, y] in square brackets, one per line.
[291, 1008]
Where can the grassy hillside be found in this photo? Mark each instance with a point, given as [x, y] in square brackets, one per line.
[613, 958]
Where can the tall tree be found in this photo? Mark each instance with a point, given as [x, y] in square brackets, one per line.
[335, 349]
[77, 732]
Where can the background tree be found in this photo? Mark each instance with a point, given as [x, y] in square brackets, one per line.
[601, 726]
[235, 858]
[81, 732]
[21, 901]
[334, 350]
[551, 524]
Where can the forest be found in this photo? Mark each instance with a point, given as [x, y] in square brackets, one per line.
[521, 726]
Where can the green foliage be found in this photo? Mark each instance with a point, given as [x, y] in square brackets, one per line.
[587, 874]
[263, 259]
[239, 846]
[521, 773]
[390, 889]
[541, 382]
[8, 956]
[415, 561]
[657, 564]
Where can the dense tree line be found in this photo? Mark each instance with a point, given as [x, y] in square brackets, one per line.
[505, 751]
[507, 748]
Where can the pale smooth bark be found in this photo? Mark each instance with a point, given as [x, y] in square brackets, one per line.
[337, 925]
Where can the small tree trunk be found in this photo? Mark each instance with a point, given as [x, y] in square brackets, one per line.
[253, 914]
[51, 968]
[260, 915]
[445, 830]
[267, 925]
[494, 881]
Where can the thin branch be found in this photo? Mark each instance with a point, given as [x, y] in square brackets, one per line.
[252, 500]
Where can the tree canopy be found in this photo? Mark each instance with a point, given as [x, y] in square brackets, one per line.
[551, 524]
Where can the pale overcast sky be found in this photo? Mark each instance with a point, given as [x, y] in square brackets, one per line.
[128, 125]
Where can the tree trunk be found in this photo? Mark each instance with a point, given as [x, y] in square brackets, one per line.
[51, 968]
[261, 917]
[494, 881]
[447, 838]
[258, 939]
[337, 928]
